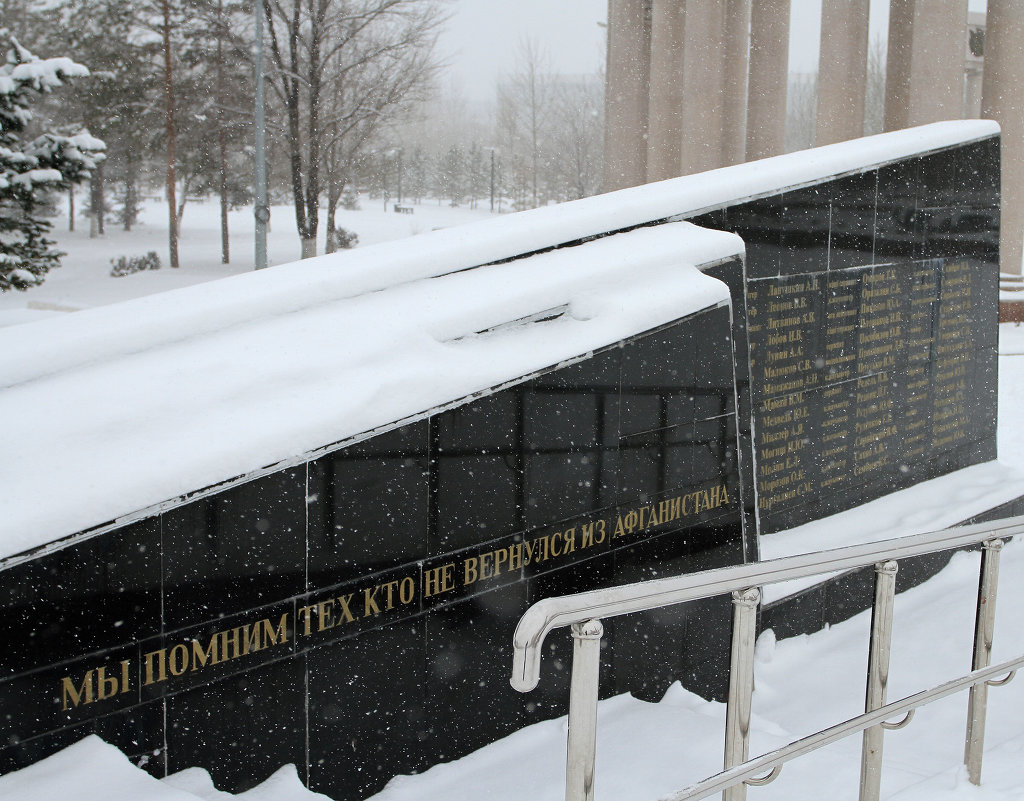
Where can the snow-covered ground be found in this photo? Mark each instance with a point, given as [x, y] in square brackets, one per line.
[84, 278]
[644, 750]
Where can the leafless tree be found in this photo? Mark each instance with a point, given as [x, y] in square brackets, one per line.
[525, 106]
[172, 226]
[342, 69]
[576, 136]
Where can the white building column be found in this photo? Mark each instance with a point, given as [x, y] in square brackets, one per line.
[734, 89]
[626, 93]
[842, 70]
[703, 85]
[924, 74]
[665, 109]
[769, 74]
[1003, 101]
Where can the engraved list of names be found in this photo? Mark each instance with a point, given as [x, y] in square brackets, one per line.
[857, 377]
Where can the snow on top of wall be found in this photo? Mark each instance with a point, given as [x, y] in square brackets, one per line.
[113, 410]
[89, 439]
[191, 311]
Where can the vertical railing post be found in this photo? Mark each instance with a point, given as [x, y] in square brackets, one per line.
[984, 627]
[583, 689]
[878, 678]
[741, 685]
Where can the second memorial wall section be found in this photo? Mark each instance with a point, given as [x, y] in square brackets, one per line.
[869, 333]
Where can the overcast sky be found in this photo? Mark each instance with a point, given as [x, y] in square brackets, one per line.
[484, 36]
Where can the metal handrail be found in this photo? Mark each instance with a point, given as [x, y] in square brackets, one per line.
[769, 760]
[584, 611]
[553, 613]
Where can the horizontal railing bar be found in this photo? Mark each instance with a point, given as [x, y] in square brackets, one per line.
[754, 767]
[552, 613]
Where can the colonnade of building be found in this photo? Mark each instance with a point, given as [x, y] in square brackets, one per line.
[693, 85]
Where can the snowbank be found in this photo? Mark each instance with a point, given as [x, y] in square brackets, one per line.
[92, 770]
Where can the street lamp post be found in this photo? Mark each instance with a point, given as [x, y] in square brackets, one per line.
[399, 176]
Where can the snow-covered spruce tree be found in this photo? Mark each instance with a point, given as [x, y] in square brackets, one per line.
[30, 168]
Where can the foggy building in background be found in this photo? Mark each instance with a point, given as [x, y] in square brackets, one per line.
[693, 85]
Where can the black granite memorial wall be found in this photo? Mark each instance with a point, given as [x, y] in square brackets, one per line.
[352, 614]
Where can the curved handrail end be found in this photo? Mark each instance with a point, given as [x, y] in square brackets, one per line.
[529, 636]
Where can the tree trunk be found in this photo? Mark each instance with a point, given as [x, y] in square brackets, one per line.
[291, 91]
[331, 244]
[313, 134]
[130, 201]
[101, 199]
[225, 250]
[334, 189]
[308, 247]
[131, 194]
[96, 202]
[225, 246]
[333, 195]
[71, 208]
[172, 222]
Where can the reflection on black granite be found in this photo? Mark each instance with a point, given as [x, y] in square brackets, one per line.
[243, 728]
[655, 648]
[804, 225]
[479, 471]
[94, 595]
[368, 506]
[241, 548]
[464, 647]
[367, 715]
[852, 225]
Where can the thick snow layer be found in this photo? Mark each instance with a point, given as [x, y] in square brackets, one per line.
[99, 334]
[92, 770]
[89, 770]
[645, 751]
[115, 410]
[283, 785]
